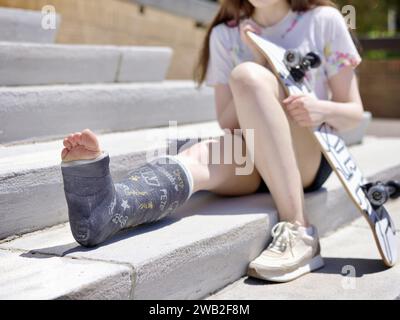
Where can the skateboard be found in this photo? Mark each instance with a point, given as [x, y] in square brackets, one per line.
[290, 67]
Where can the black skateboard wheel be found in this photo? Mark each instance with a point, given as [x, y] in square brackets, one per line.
[394, 189]
[314, 60]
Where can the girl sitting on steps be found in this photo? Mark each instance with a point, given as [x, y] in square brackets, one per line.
[247, 96]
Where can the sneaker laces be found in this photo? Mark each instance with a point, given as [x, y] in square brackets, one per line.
[283, 235]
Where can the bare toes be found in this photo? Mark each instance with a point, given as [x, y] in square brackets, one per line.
[70, 139]
[89, 139]
[75, 139]
[64, 153]
[67, 144]
[78, 138]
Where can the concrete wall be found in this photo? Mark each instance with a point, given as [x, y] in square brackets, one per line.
[379, 85]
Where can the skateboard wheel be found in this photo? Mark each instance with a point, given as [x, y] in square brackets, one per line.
[378, 194]
[394, 187]
[292, 58]
[314, 60]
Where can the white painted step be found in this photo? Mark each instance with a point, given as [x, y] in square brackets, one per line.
[39, 113]
[24, 64]
[350, 249]
[31, 190]
[21, 25]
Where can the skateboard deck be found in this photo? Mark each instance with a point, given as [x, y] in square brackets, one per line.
[336, 153]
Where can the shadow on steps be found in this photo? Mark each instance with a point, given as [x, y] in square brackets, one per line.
[337, 266]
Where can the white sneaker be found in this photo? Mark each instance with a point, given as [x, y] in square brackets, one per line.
[291, 254]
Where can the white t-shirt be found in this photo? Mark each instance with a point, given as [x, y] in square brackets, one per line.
[322, 30]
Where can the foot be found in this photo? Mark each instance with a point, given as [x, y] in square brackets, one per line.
[80, 146]
[292, 253]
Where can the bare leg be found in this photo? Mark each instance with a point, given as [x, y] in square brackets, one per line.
[98, 208]
[222, 177]
[280, 147]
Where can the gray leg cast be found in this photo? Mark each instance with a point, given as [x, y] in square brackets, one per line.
[98, 208]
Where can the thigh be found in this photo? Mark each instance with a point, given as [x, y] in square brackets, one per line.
[226, 164]
[308, 153]
[242, 177]
[307, 150]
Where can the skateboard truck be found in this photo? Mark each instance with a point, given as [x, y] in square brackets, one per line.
[298, 64]
[378, 193]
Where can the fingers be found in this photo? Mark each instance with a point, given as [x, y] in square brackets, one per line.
[295, 102]
[299, 115]
[302, 121]
[296, 105]
[297, 111]
[293, 98]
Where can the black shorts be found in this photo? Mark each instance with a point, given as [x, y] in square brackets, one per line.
[324, 171]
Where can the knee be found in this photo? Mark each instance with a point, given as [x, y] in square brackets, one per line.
[248, 76]
[197, 153]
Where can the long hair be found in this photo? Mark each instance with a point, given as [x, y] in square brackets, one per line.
[232, 11]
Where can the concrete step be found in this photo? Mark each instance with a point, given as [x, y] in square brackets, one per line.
[200, 10]
[25, 25]
[209, 241]
[356, 135]
[31, 191]
[203, 246]
[41, 64]
[39, 113]
[353, 271]
[33, 277]
[380, 127]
